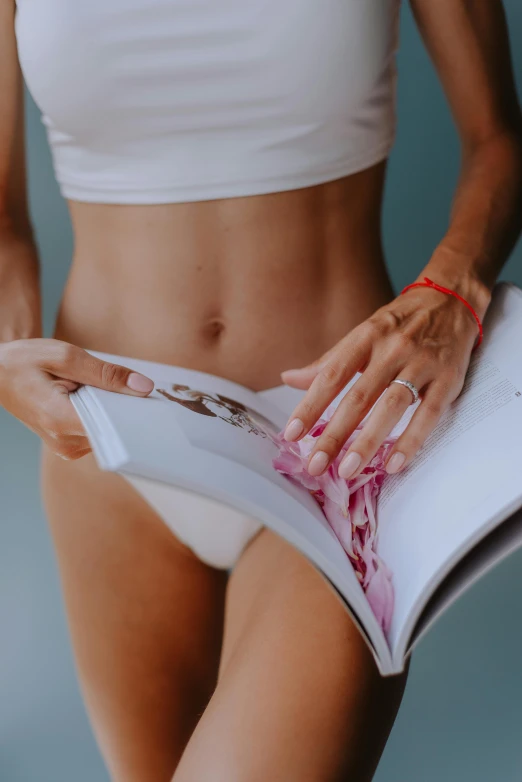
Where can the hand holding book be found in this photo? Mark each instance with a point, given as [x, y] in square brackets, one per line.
[36, 378]
[424, 339]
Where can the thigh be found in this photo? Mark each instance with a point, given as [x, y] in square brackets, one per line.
[145, 617]
[299, 698]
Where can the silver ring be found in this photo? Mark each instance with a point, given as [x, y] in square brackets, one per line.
[411, 387]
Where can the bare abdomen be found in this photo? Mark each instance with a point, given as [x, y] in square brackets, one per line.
[243, 287]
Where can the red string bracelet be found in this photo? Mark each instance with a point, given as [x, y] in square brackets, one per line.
[430, 284]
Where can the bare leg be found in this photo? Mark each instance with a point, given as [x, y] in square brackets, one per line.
[145, 617]
[299, 697]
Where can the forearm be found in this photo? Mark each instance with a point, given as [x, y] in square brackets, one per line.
[485, 222]
[20, 308]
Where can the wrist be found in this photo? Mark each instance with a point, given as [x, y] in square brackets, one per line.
[457, 272]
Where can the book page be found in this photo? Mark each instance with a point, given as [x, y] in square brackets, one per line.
[466, 478]
[505, 539]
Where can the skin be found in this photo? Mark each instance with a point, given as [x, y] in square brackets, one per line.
[181, 666]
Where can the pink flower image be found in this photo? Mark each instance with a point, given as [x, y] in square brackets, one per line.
[349, 507]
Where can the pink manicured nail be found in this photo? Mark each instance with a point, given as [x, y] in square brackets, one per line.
[318, 463]
[294, 429]
[395, 463]
[139, 383]
[349, 465]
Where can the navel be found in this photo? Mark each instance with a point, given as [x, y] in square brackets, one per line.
[213, 330]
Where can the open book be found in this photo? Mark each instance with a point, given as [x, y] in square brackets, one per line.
[453, 513]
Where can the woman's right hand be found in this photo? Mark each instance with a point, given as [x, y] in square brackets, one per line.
[36, 377]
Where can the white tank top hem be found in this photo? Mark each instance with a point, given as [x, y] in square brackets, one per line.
[129, 193]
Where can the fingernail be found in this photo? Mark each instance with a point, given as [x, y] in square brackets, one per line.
[318, 463]
[349, 465]
[140, 383]
[396, 462]
[294, 429]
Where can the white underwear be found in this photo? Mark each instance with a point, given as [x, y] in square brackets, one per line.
[215, 532]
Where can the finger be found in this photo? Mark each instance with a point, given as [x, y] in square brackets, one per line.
[352, 409]
[386, 414]
[56, 416]
[435, 402]
[72, 363]
[302, 378]
[70, 448]
[340, 368]
[67, 420]
[72, 457]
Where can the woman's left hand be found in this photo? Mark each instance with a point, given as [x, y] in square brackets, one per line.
[424, 336]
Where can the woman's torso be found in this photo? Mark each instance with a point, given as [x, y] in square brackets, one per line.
[170, 142]
[241, 287]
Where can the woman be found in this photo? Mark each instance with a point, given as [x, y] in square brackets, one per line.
[224, 166]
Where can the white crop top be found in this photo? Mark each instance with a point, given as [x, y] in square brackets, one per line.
[155, 101]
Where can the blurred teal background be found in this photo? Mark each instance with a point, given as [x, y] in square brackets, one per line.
[462, 714]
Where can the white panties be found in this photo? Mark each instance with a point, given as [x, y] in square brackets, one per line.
[217, 533]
